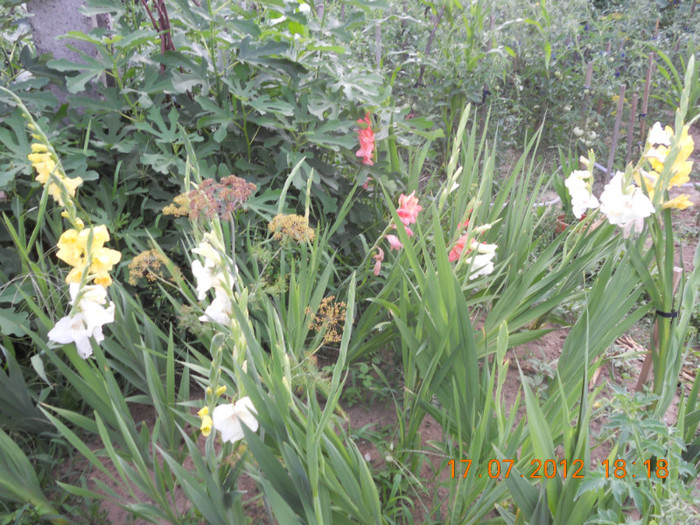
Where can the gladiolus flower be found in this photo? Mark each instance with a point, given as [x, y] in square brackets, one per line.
[378, 258]
[579, 185]
[394, 242]
[88, 317]
[230, 418]
[625, 206]
[206, 421]
[220, 310]
[408, 208]
[680, 203]
[73, 249]
[456, 252]
[366, 136]
[681, 168]
[45, 166]
[482, 262]
[658, 136]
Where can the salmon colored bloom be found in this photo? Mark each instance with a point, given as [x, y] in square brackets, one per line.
[408, 208]
[456, 251]
[378, 258]
[482, 261]
[394, 242]
[366, 136]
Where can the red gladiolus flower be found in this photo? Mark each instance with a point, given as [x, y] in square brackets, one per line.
[366, 136]
[456, 252]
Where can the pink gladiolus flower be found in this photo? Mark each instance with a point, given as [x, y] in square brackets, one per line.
[394, 242]
[408, 208]
[366, 136]
[378, 258]
[456, 252]
[409, 231]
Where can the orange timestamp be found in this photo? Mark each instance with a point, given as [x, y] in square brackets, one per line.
[549, 468]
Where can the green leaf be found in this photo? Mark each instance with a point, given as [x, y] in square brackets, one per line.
[14, 323]
[18, 480]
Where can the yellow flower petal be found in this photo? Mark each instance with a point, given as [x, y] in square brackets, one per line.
[206, 425]
[75, 275]
[103, 279]
[680, 203]
[69, 251]
[681, 173]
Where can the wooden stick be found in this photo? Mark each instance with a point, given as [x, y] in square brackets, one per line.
[649, 359]
[430, 44]
[492, 24]
[616, 131]
[630, 127]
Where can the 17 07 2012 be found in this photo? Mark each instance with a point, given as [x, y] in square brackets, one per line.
[549, 468]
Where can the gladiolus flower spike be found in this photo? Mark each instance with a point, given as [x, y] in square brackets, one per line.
[366, 136]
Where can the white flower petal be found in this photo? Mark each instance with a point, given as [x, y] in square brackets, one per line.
[228, 418]
[84, 347]
[61, 332]
[658, 136]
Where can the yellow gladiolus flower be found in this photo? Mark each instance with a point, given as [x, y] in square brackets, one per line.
[680, 203]
[73, 249]
[221, 391]
[207, 422]
[69, 251]
[646, 180]
[45, 166]
[682, 167]
[206, 425]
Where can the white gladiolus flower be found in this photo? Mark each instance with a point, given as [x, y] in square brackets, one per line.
[87, 320]
[658, 136]
[579, 185]
[626, 207]
[228, 419]
[482, 263]
[208, 276]
[207, 249]
[485, 248]
[220, 310]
